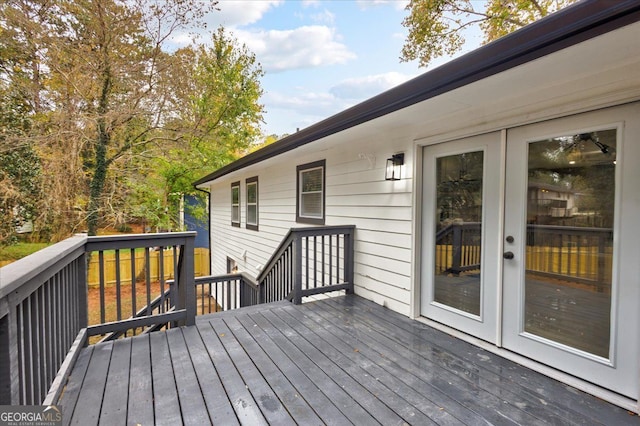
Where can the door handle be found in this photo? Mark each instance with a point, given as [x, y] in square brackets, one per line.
[508, 255]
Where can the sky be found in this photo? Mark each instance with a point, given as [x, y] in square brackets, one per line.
[320, 56]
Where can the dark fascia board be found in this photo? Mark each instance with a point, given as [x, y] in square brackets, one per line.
[572, 25]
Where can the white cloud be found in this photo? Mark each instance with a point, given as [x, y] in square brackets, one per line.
[361, 88]
[324, 17]
[367, 4]
[303, 102]
[303, 47]
[235, 13]
[310, 3]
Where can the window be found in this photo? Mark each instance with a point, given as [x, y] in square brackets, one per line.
[310, 188]
[235, 204]
[252, 203]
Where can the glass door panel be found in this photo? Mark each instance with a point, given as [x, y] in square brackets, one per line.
[570, 251]
[458, 229]
[461, 234]
[569, 239]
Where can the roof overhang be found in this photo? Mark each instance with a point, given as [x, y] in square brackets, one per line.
[570, 26]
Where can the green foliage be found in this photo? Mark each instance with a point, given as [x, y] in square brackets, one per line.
[19, 164]
[436, 26]
[218, 120]
[20, 250]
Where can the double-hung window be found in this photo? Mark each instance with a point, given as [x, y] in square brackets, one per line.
[252, 203]
[311, 193]
[235, 204]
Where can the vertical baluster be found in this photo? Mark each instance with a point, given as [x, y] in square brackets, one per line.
[58, 319]
[49, 333]
[22, 351]
[217, 305]
[132, 264]
[323, 261]
[147, 283]
[330, 259]
[28, 351]
[42, 343]
[52, 314]
[315, 262]
[161, 269]
[101, 273]
[118, 293]
[338, 259]
[210, 294]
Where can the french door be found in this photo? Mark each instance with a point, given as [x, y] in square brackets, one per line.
[549, 268]
[460, 224]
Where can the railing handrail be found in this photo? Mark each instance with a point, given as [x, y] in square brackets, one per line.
[302, 232]
[210, 279]
[570, 228]
[45, 262]
[125, 241]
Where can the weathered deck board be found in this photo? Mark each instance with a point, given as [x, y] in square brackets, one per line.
[337, 361]
[114, 408]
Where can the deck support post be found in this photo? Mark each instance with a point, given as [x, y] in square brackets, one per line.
[186, 281]
[349, 260]
[83, 315]
[297, 270]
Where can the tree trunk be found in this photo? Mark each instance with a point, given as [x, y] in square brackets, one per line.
[98, 180]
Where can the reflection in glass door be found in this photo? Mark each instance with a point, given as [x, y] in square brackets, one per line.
[569, 239]
[458, 230]
[461, 234]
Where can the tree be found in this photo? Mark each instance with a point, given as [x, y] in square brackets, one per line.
[436, 26]
[95, 72]
[19, 167]
[217, 116]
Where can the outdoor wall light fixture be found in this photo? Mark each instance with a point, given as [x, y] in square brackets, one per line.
[394, 167]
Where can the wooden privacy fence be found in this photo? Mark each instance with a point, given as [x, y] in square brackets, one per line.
[200, 255]
[578, 254]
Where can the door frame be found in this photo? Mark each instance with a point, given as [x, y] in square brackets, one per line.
[617, 371]
[454, 133]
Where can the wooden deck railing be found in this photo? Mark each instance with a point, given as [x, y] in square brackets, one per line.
[458, 248]
[42, 310]
[44, 314]
[44, 317]
[309, 261]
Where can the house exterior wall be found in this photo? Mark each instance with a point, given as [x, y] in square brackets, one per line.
[356, 194]
[387, 213]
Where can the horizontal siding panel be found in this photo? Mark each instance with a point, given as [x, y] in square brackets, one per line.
[367, 212]
[369, 271]
[391, 265]
[388, 291]
[363, 188]
[385, 239]
[373, 200]
[395, 226]
[397, 253]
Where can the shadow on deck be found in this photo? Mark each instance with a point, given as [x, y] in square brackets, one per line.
[342, 360]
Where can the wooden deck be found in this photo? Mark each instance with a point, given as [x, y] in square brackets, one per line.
[343, 360]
